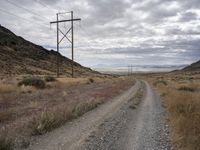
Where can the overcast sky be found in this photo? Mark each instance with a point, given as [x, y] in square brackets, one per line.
[113, 32]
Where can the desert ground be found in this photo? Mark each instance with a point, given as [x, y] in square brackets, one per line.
[141, 111]
[180, 93]
[28, 111]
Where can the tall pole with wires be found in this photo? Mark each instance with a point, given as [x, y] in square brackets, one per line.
[58, 60]
[65, 36]
[72, 30]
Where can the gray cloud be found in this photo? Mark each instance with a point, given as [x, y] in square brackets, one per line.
[114, 31]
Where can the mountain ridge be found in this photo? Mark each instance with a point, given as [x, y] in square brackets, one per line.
[20, 56]
[193, 67]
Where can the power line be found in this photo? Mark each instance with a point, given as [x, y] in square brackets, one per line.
[84, 31]
[25, 9]
[46, 5]
[25, 19]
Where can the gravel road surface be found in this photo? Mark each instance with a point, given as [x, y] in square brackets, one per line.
[142, 128]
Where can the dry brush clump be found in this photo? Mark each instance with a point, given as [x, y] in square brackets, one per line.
[183, 104]
[138, 96]
[163, 82]
[186, 88]
[33, 81]
[6, 143]
[49, 79]
[54, 118]
[184, 111]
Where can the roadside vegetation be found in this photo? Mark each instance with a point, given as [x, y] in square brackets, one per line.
[50, 79]
[49, 120]
[6, 144]
[181, 97]
[35, 106]
[33, 81]
[135, 101]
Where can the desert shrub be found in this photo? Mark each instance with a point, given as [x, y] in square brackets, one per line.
[32, 81]
[84, 107]
[185, 88]
[91, 80]
[160, 82]
[6, 144]
[49, 79]
[25, 143]
[48, 121]
[44, 123]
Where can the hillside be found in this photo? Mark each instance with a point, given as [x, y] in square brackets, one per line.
[19, 56]
[193, 67]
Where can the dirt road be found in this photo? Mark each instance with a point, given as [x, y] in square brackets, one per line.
[133, 129]
[114, 126]
[73, 134]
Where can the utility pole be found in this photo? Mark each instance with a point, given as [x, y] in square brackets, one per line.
[131, 69]
[65, 36]
[58, 60]
[128, 70]
[72, 25]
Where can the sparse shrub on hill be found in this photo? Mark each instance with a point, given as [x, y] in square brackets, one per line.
[49, 79]
[185, 88]
[33, 81]
[90, 80]
[6, 144]
[160, 82]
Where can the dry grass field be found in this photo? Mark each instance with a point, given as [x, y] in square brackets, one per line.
[181, 97]
[26, 111]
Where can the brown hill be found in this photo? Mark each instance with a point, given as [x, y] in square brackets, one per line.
[19, 56]
[193, 67]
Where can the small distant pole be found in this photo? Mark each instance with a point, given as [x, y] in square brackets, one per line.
[131, 69]
[128, 70]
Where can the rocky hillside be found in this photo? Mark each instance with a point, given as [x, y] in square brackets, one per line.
[19, 56]
[193, 67]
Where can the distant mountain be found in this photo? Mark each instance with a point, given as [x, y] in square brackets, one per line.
[19, 56]
[193, 67]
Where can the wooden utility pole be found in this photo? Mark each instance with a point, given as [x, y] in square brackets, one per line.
[72, 25]
[65, 36]
[58, 60]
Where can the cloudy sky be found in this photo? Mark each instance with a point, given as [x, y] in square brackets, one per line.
[113, 32]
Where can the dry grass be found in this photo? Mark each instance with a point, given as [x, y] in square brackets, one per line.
[6, 144]
[182, 100]
[49, 120]
[27, 89]
[73, 81]
[138, 97]
[30, 111]
[7, 88]
[184, 111]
